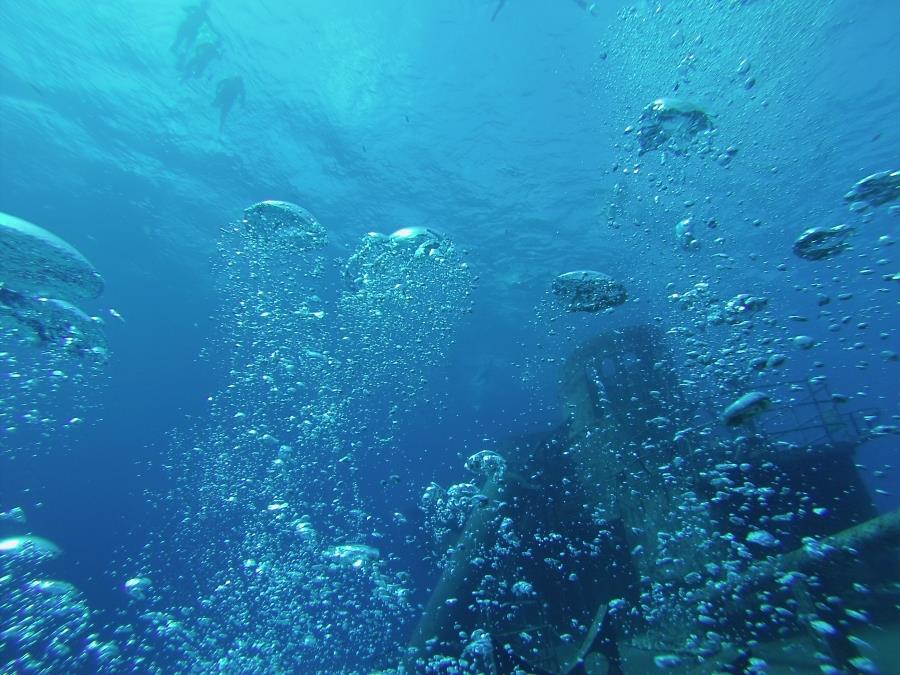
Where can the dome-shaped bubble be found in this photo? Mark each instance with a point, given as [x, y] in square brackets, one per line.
[53, 587]
[138, 587]
[353, 555]
[422, 240]
[28, 548]
[486, 464]
[414, 235]
[746, 408]
[54, 323]
[821, 243]
[588, 291]
[673, 123]
[273, 219]
[363, 262]
[34, 261]
[879, 188]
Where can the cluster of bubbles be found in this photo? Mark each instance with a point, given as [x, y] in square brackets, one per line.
[53, 354]
[731, 350]
[42, 276]
[402, 297]
[282, 551]
[274, 545]
[507, 558]
[660, 181]
[51, 349]
[717, 501]
[715, 334]
[823, 242]
[588, 291]
[675, 125]
[46, 625]
[447, 511]
[270, 530]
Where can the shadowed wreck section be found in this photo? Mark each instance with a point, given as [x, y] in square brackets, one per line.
[644, 533]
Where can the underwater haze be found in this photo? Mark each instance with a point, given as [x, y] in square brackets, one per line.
[458, 336]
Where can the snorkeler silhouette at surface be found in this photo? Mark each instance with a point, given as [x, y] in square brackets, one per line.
[589, 7]
[202, 56]
[227, 94]
[195, 17]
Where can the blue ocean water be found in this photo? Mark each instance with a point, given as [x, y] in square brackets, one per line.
[268, 459]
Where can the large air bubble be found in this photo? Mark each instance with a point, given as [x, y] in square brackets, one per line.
[286, 222]
[673, 124]
[36, 262]
[588, 291]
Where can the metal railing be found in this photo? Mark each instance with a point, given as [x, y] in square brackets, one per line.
[805, 413]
